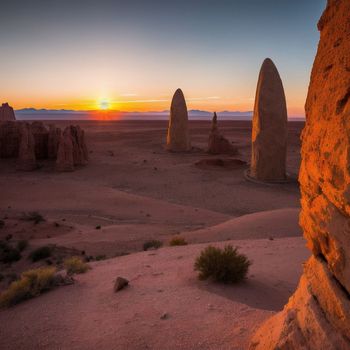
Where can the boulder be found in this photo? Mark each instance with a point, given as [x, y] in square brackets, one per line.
[120, 283]
[26, 155]
[178, 139]
[217, 144]
[7, 113]
[269, 133]
[317, 316]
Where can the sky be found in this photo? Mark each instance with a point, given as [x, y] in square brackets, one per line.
[132, 55]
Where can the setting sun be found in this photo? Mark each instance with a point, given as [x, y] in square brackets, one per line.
[104, 104]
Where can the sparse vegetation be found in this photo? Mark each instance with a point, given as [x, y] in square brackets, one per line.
[22, 244]
[40, 253]
[178, 240]
[75, 265]
[155, 244]
[34, 216]
[8, 254]
[100, 257]
[222, 265]
[31, 284]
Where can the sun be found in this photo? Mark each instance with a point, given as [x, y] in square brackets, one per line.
[104, 104]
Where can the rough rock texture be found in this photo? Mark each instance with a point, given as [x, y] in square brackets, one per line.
[26, 155]
[41, 136]
[80, 153]
[178, 139]
[53, 141]
[7, 113]
[217, 144]
[318, 314]
[65, 159]
[9, 139]
[120, 283]
[269, 135]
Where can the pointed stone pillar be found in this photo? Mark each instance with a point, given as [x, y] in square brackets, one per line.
[269, 134]
[178, 139]
[26, 154]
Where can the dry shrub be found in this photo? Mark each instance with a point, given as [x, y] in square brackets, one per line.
[177, 240]
[75, 265]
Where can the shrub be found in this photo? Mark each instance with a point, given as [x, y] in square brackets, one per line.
[100, 257]
[75, 265]
[40, 253]
[222, 265]
[8, 254]
[34, 216]
[31, 284]
[177, 240]
[152, 244]
[22, 244]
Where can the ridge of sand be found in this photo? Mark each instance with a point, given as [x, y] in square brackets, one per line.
[88, 315]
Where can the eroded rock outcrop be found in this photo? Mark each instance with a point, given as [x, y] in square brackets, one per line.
[317, 316]
[269, 134]
[26, 155]
[9, 139]
[41, 137]
[53, 141]
[7, 113]
[218, 144]
[178, 139]
[65, 159]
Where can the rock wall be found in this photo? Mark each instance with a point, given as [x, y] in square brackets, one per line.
[317, 316]
[269, 133]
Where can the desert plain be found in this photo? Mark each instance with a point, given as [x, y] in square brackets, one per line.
[133, 190]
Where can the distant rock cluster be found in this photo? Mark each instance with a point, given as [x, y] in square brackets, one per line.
[29, 142]
[6, 113]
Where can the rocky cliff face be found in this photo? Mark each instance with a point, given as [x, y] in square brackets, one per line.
[318, 314]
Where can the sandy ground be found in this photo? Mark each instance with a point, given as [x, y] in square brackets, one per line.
[136, 191]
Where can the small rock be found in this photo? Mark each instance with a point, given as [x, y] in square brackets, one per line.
[164, 316]
[120, 283]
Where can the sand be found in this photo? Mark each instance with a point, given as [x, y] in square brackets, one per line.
[135, 190]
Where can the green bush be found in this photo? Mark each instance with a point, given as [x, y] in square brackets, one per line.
[152, 244]
[8, 254]
[177, 240]
[22, 244]
[222, 265]
[31, 284]
[34, 216]
[40, 253]
[74, 265]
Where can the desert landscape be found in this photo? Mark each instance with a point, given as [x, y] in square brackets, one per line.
[157, 225]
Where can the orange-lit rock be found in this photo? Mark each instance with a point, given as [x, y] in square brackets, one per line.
[217, 144]
[178, 139]
[269, 134]
[318, 314]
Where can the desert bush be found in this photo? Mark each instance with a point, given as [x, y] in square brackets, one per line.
[222, 265]
[34, 216]
[75, 264]
[22, 244]
[152, 244]
[31, 284]
[40, 253]
[100, 257]
[8, 254]
[177, 240]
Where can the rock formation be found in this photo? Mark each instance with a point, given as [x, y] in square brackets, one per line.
[65, 159]
[217, 144]
[7, 113]
[178, 139]
[269, 135]
[317, 316]
[53, 141]
[18, 137]
[26, 155]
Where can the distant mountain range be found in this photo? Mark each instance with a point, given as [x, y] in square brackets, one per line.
[64, 114]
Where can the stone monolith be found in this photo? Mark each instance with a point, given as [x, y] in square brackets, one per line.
[217, 144]
[178, 139]
[317, 316]
[269, 134]
[7, 113]
[53, 141]
[26, 154]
